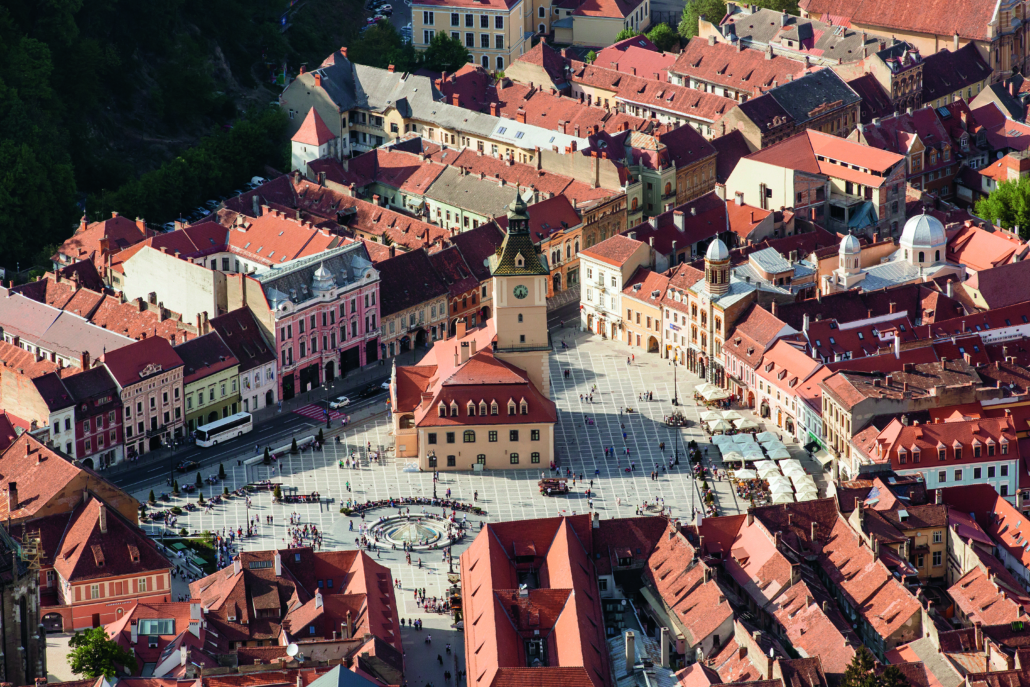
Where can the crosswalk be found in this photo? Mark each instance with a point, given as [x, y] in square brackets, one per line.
[316, 412]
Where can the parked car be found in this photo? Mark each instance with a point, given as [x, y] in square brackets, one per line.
[385, 386]
[340, 402]
[188, 488]
[370, 390]
[388, 9]
[187, 465]
[257, 181]
[168, 226]
[212, 205]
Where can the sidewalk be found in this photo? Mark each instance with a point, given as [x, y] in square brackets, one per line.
[563, 298]
[355, 380]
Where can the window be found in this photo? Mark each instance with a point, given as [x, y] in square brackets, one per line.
[958, 475]
[94, 591]
[938, 536]
[534, 435]
[450, 437]
[481, 459]
[990, 472]
[936, 559]
[513, 458]
[451, 461]
[484, 41]
[469, 21]
[1004, 489]
[977, 473]
[469, 436]
[500, 60]
[484, 21]
[143, 584]
[499, 22]
[492, 436]
[427, 18]
[958, 453]
[942, 453]
[1004, 470]
[499, 45]
[454, 19]
[942, 476]
[534, 457]
[470, 40]
[513, 435]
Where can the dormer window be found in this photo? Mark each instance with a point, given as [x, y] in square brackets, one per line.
[957, 448]
[519, 260]
[902, 455]
[493, 408]
[454, 409]
[915, 454]
[442, 409]
[471, 409]
[990, 447]
[523, 407]
[511, 407]
[1004, 446]
[482, 407]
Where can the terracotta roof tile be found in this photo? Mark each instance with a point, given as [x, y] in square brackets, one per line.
[313, 130]
[740, 69]
[614, 251]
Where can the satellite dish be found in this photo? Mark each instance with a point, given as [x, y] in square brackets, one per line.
[292, 650]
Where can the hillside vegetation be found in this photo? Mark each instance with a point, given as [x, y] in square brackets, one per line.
[96, 93]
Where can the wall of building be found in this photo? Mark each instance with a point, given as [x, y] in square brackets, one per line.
[498, 453]
[24, 646]
[181, 285]
[155, 400]
[220, 393]
[114, 595]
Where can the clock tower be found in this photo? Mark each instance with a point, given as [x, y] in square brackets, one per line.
[520, 300]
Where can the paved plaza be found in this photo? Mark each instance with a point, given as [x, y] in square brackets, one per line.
[584, 429]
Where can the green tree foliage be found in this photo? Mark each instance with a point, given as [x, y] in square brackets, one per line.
[293, 445]
[277, 493]
[1008, 205]
[591, 57]
[268, 455]
[381, 46]
[711, 10]
[200, 481]
[664, 38]
[221, 471]
[94, 93]
[861, 673]
[175, 486]
[221, 162]
[151, 498]
[444, 54]
[626, 33]
[200, 499]
[93, 655]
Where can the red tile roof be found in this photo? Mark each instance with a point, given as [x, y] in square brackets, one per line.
[607, 8]
[734, 66]
[313, 130]
[39, 473]
[982, 599]
[647, 287]
[547, 218]
[614, 251]
[85, 243]
[128, 364]
[204, 356]
[980, 249]
[240, 332]
[875, 100]
[971, 20]
[637, 55]
[543, 55]
[550, 109]
[802, 153]
[87, 552]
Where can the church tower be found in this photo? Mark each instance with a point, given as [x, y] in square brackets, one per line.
[312, 141]
[520, 300]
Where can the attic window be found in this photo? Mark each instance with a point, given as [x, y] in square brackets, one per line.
[524, 407]
[442, 409]
[454, 409]
[470, 409]
[482, 407]
[519, 262]
[493, 408]
[511, 407]
[133, 553]
[98, 555]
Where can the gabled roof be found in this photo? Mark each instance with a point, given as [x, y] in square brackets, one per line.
[141, 360]
[940, 18]
[88, 552]
[241, 334]
[614, 251]
[85, 243]
[204, 356]
[543, 55]
[734, 66]
[313, 130]
[946, 72]
[407, 280]
[818, 153]
[730, 148]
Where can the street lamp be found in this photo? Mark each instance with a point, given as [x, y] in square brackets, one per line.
[432, 463]
[328, 422]
[675, 389]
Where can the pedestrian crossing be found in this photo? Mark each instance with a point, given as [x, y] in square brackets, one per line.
[315, 412]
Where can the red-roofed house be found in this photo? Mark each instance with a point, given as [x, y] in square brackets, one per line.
[642, 299]
[979, 249]
[163, 637]
[784, 366]
[541, 66]
[529, 587]
[755, 332]
[732, 71]
[149, 375]
[98, 241]
[312, 141]
[605, 269]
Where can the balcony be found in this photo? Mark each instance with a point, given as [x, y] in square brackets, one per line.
[157, 432]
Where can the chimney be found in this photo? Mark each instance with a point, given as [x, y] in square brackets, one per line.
[956, 40]
[278, 565]
[520, 115]
[343, 51]
[393, 251]
[84, 360]
[711, 39]
[255, 205]
[805, 323]
[134, 630]
[894, 307]
[597, 520]
[938, 497]
[318, 598]
[103, 519]
[679, 219]
[12, 497]
[494, 110]
[815, 531]
[350, 625]
[236, 565]
[979, 635]
[631, 651]
[318, 80]
[664, 637]
[459, 328]
[777, 539]
[464, 352]
[738, 198]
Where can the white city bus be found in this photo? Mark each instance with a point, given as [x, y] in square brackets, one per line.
[222, 430]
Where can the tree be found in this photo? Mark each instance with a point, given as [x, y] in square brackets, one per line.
[200, 499]
[151, 498]
[591, 57]
[664, 37]
[268, 455]
[293, 445]
[200, 481]
[444, 54]
[381, 46]
[711, 10]
[225, 491]
[892, 677]
[321, 437]
[93, 655]
[277, 493]
[175, 486]
[626, 33]
[221, 471]
[1008, 205]
[859, 672]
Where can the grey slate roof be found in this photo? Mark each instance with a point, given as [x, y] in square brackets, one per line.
[55, 330]
[770, 260]
[804, 94]
[291, 281]
[824, 43]
[739, 289]
[468, 192]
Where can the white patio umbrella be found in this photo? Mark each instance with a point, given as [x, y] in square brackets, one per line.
[731, 415]
[744, 439]
[732, 457]
[766, 465]
[721, 439]
[795, 474]
[766, 436]
[746, 424]
[745, 474]
[791, 462]
[768, 473]
[702, 388]
[751, 451]
[809, 492]
[715, 394]
[801, 481]
[711, 416]
[779, 499]
[807, 496]
[779, 453]
[720, 426]
[780, 488]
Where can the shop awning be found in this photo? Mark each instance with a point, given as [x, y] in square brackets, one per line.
[824, 457]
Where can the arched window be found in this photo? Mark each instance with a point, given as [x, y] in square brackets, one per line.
[470, 436]
[668, 188]
[920, 256]
[520, 318]
[542, 12]
[541, 28]
[577, 246]
[486, 62]
[937, 256]
[568, 250]
[500, 63]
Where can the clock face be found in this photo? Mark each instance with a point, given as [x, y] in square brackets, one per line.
[521, 291]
